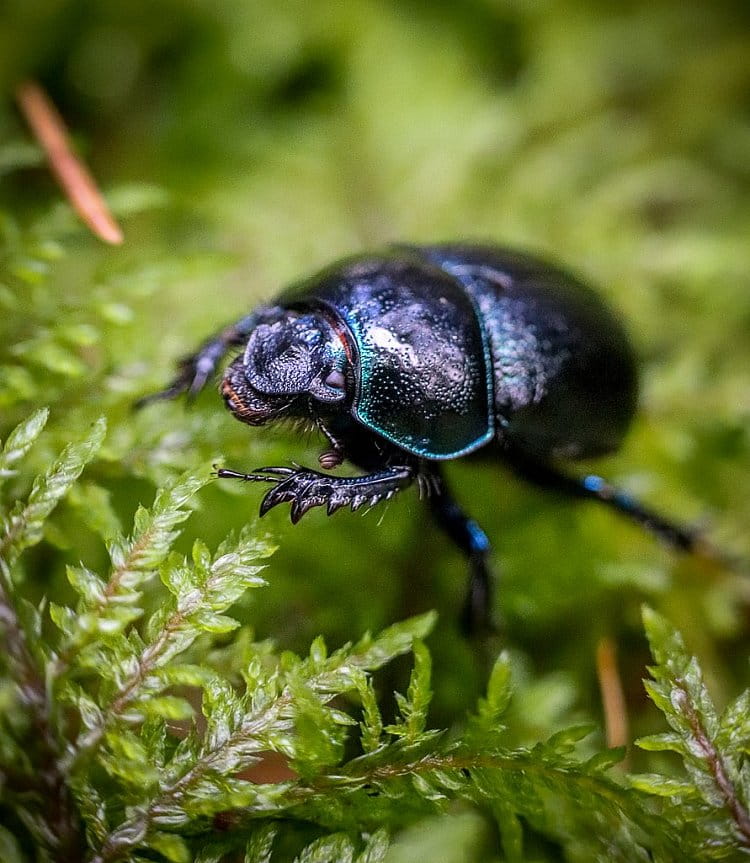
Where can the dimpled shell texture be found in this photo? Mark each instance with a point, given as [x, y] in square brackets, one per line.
[423, 367]
[564, 374]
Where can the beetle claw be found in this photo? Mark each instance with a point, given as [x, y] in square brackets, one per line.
[357, 501]
[269, 502]
[303, 488]
[281, 493]
[331, 506]
[301, 505]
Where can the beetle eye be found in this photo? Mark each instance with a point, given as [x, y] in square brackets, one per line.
[335, 380]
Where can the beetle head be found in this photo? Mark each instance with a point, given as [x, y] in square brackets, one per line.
[296, 356]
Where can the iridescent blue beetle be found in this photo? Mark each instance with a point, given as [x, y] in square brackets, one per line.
[419, 354]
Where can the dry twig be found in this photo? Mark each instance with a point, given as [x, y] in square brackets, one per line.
[613, 698]
[74, 177]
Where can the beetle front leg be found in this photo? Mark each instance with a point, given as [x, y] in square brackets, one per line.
[305, 488]
[195, 370]
[476, 617]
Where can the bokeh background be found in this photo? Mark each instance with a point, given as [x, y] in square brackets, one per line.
[245, 144]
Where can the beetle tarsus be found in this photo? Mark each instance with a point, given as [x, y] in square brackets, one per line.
[175, 389]
[226, 473]
[193, 373]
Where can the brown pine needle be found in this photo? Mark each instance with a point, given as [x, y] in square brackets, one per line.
[613, 698]
[72, 175]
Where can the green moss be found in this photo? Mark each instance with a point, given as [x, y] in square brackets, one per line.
[245, 144]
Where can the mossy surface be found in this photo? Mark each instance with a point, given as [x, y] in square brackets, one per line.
[242, 146]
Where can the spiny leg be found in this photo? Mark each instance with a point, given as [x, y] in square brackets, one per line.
[305, 488]
[592, 487]
[196, 369]
[476, 617]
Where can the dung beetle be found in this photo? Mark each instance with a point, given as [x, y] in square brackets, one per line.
[416, 355]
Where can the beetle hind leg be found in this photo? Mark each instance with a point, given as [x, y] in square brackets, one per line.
[680, 537]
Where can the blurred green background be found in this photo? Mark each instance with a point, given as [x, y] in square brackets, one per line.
[245, 144]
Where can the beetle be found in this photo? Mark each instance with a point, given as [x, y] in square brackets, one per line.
[416, 355]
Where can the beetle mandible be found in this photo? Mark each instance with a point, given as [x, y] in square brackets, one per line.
[420, 354]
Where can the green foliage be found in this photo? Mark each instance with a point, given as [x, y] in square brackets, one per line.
[713, 798]
[163, 699]
[119, 737]
[23, 525]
